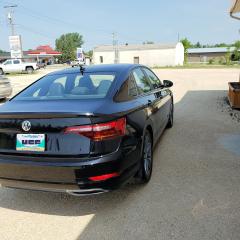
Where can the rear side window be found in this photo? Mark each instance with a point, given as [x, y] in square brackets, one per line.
[152, 78]
[69, 86]
[128, 90]
[132, 87]
[142, 82]
[16, 62]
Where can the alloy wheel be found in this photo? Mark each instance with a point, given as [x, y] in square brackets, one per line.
[170, 118]
[147, 156]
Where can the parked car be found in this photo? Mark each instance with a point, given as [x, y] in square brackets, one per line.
[84, 131]
[17, 65]
[41, 65]
[5, 87]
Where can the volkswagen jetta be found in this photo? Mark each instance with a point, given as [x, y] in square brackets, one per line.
[84, 130]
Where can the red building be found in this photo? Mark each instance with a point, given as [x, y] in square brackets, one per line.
[44, 54]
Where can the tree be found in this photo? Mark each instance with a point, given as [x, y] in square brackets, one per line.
[2, 51]
[68, 44]
[222, 45]
[197, 45]
[228, 56]
[89, 53]
[217, 45]
[236, 52]
[187, 44]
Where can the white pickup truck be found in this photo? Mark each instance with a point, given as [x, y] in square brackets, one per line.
[17, 65]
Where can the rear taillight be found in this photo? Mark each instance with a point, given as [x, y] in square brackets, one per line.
[104, 177]
[100, 131]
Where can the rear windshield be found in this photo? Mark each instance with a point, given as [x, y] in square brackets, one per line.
[69, 86]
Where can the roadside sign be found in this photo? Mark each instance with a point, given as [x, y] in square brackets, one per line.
[80, 55]
[15, 46]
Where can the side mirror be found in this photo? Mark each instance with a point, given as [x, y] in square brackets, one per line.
[167, 83]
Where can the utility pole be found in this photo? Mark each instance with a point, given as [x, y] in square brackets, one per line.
[115, 48]
[14, 40]
[10, 17]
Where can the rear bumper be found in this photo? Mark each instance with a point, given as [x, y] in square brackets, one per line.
[72, 189]
[64, 175]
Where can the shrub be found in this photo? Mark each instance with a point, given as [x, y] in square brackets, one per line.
[211, 61]
[222, 61]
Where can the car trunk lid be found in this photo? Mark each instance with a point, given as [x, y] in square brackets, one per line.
[50, 118]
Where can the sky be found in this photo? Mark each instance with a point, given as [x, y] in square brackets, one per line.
[133, 21]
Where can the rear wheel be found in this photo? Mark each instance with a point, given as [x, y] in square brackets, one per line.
[170, 118]
[1, 72]
[29, 70]
[145, 172]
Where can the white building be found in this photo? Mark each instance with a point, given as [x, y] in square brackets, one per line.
[151, 55]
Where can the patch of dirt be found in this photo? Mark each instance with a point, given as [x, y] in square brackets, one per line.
[224, 106]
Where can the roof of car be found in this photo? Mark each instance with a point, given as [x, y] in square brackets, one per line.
[98, 68]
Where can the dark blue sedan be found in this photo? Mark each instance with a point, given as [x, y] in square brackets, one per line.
[84, 130]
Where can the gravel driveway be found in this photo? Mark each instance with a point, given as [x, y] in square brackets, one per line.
[194, 192]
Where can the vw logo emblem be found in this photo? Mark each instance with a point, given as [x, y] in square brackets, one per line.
[26, 126]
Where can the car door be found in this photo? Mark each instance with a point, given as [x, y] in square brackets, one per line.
[8, 66]
[17, 65]
[147, 97]
[162, 103]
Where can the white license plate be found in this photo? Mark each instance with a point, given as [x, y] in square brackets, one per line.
[30, 142]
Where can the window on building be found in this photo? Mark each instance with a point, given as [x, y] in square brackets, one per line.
[205, 59]
[142, 82]
[136, 60]
[101, 59]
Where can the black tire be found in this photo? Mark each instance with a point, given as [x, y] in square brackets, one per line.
[170, 118]
[1, 72]
[29, 70]
[144, 174]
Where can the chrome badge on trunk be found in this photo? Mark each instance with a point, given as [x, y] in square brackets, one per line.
[26, 126]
